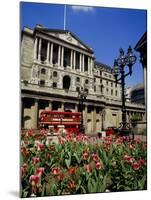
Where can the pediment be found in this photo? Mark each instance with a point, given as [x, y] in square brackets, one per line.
[68, 37]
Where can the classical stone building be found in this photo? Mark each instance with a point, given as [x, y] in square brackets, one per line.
[55, 64]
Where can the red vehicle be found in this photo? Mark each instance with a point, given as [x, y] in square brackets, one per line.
[70, 120]
[111, 131]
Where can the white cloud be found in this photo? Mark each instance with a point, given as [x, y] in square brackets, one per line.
[82, 8]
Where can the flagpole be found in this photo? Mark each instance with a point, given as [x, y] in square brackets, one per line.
[64, 17]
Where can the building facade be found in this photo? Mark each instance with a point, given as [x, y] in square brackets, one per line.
[55, 64]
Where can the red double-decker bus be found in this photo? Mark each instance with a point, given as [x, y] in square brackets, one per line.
[70, 120]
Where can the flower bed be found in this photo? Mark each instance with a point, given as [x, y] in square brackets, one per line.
[81, 164]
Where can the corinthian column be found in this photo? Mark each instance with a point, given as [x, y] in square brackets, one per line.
[35, 49]
[80, 62]
[71, 58]
[39, 50]
[59, 52]
[62, 56]
[48, 49]
[51, 53]
[74, 60]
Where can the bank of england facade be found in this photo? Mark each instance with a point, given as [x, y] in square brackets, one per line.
[55, 65]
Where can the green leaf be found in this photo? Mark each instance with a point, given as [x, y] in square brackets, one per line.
[68, 161]
[43, 190]
[92, 185]
[77, 158]
[142, 183]
[24, 194]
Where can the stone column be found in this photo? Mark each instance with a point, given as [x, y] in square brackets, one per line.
[35, 114]
[71, 58]
[94, 119]
[62, 56]
[48, 50]
[83, 63]
[35, 49]
[76, 107]
[85, 117]
[59, 52]
[62, 107]
[89, 65]
[50, 105]
[39, 49]
[80, 62]
[51, 53]
[74, 60]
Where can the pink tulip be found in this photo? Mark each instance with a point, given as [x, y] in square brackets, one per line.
[39, 171]
[98, 165]
[136, 165]
[33, 179]
[55, 170]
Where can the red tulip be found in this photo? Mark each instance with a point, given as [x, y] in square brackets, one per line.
[95, 157]
[136, 166]
[85, 155]
[99, 165]
[55, 170]
[71, 185]
[23, 169]
[39, 171]
[88, 168]
[141, 161]
[33, 179]
[35, 160]
[128, 158]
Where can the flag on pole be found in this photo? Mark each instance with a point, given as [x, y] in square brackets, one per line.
[64, 17]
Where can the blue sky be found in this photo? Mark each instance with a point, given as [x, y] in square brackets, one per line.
[105, 30]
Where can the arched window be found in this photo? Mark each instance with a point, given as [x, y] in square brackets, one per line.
[86, 81]
[54, 85]
[54, 74]
[43, 71]
[66, 82]
[77, 89]
[78, 79]
[42, 83]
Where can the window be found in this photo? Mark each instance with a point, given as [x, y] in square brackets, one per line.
[107, 90]
[94, 88]
[86, 81]
[43, 71]
[94, 79]
[78, 79]
[54, 74]
[111, 84]
[42, 83]
[54, 85]
[86, 90]
[100, 73]
[111, 92]
[100, 80]
[77, 89]
[116, 93]
[107, 82]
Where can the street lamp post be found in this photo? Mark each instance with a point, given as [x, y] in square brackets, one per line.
[82, 94]
[119, 69]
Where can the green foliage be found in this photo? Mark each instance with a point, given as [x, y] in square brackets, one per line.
[67, 171]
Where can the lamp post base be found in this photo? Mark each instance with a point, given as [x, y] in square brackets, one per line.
[124, 132]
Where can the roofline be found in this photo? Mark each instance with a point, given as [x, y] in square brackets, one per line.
[63, 31]
[139, 43]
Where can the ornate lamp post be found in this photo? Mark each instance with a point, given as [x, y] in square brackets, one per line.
[119, 69]
[82, 94]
